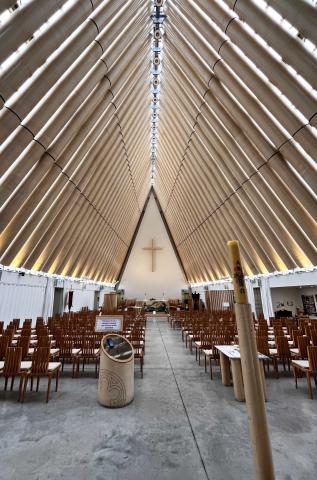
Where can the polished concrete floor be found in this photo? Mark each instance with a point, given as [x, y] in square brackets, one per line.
[180, 426]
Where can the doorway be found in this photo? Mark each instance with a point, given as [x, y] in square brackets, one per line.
[96, 300]
[258, 302]
[58, 306]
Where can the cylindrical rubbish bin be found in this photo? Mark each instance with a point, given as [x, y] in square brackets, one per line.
[116, 373]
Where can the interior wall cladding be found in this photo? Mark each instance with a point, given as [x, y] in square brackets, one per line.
[74, 126]
[239, 138]
[30, 296]
[236, 155]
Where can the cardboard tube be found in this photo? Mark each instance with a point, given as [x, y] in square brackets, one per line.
[252, 377]
[238, 277]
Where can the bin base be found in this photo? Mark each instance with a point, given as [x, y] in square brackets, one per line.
[115, 390]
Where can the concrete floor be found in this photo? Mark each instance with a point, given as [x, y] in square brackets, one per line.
[180, 426]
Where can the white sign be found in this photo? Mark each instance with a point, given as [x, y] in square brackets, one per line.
[109, 323]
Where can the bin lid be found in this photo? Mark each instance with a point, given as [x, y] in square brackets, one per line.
[117, 347]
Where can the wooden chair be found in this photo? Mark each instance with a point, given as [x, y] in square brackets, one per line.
[307, 367]
[282, 352]
[12, 368]
[205, 343]
[1, 327]
[211, 354]
[138, 352]
[301, 352]
[24, 343]
[68, 353]
[89, 352]
[41, 367]
[263, 347]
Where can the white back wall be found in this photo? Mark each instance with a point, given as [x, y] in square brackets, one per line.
[138, 279]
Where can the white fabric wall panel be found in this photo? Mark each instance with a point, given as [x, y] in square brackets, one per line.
[31, 296]
[21, 296]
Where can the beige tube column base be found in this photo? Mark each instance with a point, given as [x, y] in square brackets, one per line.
[254, 394]
[116, 380]
[237, 377]
[225, 369]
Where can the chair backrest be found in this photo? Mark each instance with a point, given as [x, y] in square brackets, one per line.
[282, 345]
[303, 343]
[66, 346]
[4, 343]
[40, 360]
[12, 363]
[263, 346]
[295, 334]
[9, 332]
[24, 343]
[88, 346]
[16, 323]
[312, 358]
[43, 341]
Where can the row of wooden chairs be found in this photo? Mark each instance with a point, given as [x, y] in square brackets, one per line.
[39, 367]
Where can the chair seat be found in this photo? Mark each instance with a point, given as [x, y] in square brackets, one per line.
[75, 351]
[26, 365]
[295, 351]
[54, 351]
[52, 366]
[198, 343]
[273, 351]
[301, 363]
[208, 352]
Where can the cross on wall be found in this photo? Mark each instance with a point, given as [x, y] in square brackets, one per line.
[153, 251]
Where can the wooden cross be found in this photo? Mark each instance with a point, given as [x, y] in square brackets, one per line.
[152, 249]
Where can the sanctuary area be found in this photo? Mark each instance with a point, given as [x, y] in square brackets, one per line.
[158, 239]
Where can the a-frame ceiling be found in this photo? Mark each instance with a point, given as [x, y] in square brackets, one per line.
[235, 153]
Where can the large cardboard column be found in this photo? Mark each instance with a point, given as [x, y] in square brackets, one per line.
[254, 397]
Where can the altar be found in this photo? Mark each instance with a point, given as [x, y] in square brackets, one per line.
[155, 306]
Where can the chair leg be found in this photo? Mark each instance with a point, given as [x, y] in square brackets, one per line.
[31, 384]
[295, 376]
[199, 356]
[20, 388]
[6, 383]
[57, 378]
[309, 385]
[48, 388]
[205, 364]
[210, 368]
[141, 365]
[24, 389]
[276, 367]
[37, 383]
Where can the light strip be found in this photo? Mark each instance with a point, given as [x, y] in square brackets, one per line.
[255, 277]
[55, 276]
